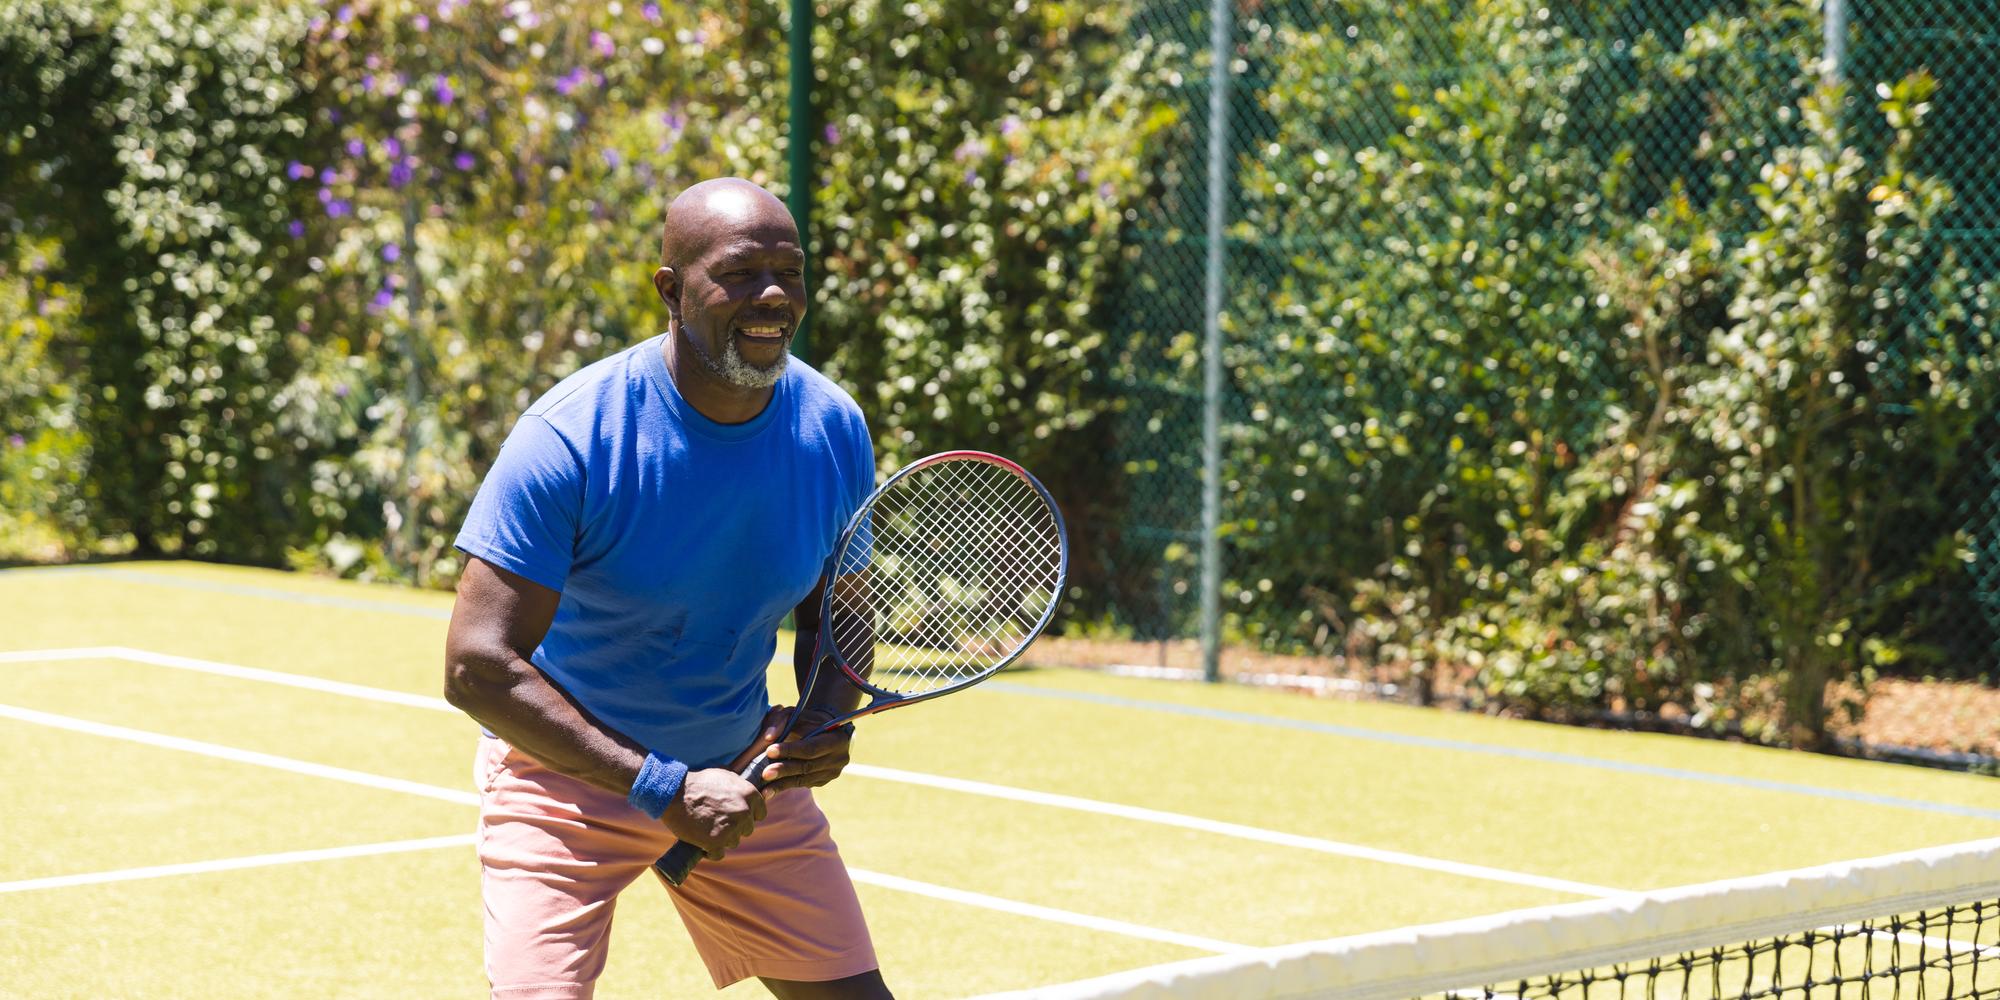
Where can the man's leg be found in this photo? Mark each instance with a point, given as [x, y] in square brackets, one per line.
[553, 859]
[780, 907]
[866, 986]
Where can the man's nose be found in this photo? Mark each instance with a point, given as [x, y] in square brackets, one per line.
[771, 290]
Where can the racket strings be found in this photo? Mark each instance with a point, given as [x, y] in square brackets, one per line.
[962, 560]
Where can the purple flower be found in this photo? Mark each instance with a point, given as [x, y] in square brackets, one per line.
[1010, 125]
[298, 171]
[569, 81]
[356, 147]
[673, 120]
[345, 13]
[421, 22]
[16, 441]
[333, 115]
[1083, 175]
[337, 208]
[400, 174]
[391, 252]
[296, 228]
[392, 146]
[442, 90]
[700, 37]
[611, 158]
[1104, 190]
[340, 390]
[383, 297]
[327, 176]
[463, 161]
[603, 44]
[652, 11]
[367, 83]
[832, 134]
[326, 196]
[971, 175]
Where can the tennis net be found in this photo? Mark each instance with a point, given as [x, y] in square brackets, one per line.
[1915, 926]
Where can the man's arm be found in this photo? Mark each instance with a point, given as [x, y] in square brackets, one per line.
[498, 620]
[818, 760]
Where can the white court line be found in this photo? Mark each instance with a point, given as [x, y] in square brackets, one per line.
[454, 795]
[1137, 813]
[1045, 913]
[52, 720]
[236, 864]
[1232, 830]
[229, 670]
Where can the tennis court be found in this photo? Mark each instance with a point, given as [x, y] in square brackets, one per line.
[231, 782]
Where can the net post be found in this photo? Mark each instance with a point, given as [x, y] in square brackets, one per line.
[1211, 415]
[799, 166]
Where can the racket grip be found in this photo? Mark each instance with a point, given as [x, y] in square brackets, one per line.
[679, 861]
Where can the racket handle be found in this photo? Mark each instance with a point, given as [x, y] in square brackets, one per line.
[679, 861]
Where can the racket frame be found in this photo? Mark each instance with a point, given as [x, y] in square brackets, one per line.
[675, 865]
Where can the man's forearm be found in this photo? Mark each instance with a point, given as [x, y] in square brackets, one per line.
[517, 703]
[833, 693]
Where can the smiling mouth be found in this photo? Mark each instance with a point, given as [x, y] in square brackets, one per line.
[768, 332]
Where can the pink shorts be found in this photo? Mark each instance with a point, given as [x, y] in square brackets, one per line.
[554, 853]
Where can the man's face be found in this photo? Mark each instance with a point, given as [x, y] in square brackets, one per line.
[739, 299]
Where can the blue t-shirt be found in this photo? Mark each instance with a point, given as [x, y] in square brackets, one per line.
[678, 543]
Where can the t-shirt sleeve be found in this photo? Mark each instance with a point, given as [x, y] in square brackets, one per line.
[524, 518]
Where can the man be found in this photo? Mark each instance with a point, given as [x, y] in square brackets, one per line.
[644, 530]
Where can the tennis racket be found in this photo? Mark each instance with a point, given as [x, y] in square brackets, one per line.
[944, 576]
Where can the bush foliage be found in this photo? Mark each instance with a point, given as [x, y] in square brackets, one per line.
[1542, 397]
[1591, 440]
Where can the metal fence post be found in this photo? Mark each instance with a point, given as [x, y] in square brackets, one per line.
[799, 176]
[1211, 415]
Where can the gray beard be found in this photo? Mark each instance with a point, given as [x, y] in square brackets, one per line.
[737, 370]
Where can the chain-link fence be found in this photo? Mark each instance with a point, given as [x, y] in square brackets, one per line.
[1452, 231]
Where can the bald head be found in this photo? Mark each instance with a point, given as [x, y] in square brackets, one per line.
[732, 276]
[726, 207]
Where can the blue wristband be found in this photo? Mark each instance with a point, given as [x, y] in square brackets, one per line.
[658, 782]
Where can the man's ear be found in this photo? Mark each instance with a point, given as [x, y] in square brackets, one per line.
[668, 283]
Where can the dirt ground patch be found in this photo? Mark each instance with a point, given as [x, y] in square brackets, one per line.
[1940, 716]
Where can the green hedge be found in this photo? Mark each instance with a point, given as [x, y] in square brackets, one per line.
[1534, 386]
[1576, 429]
[319, 256]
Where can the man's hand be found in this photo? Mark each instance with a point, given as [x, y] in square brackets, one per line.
[808, 763]
[715, 810]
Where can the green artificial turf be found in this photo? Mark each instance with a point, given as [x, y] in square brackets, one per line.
[1588, 806]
